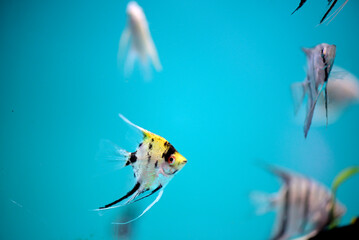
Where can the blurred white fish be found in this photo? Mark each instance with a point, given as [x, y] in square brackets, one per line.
[320, 60]
[137, 42]
[303, 205]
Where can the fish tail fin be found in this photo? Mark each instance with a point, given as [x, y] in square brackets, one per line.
[299, 90]
[264, 202]
[144, 211]
[113, 153]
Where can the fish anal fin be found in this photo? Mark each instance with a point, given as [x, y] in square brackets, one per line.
[130, 193]
[148, 208]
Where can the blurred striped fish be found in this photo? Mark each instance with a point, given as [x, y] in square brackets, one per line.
[303, 205]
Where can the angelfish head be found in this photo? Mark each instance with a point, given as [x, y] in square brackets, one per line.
[135, 12]
[173, 161]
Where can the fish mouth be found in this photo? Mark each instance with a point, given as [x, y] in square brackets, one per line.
[168, 172]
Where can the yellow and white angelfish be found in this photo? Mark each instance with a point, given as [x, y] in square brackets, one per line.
[155, 162]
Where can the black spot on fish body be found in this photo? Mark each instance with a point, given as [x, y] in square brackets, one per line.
[149, 157]
[133, 157]
[166, 144]
[153, 139]
[156, 164]
[150, 146]
[139, 145]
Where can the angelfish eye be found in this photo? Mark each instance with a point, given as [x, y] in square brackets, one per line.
[171, 160]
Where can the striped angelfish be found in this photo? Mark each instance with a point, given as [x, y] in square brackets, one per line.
[320, 60]
[303, 206]
[155, 162]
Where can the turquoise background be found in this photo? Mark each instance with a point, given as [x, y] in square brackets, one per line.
[223, 100]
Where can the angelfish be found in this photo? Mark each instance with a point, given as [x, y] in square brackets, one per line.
[155, 162]
[320, 60]
[137, 39]
[302, 205]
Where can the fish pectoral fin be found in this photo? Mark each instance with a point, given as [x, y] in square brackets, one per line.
[130, 193]
[148, 208]
[112, 152]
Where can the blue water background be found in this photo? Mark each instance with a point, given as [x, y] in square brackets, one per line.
[223, 100]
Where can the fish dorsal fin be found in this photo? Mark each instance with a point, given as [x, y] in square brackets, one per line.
[147, 135]
[145, 132]
[281, 173]
[307, 51]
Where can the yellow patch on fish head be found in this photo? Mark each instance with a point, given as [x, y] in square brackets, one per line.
[177, 161]
[172, 161]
